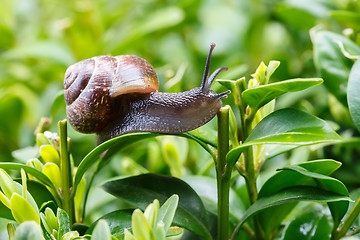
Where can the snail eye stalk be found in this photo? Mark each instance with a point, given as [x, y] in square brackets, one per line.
[207, 81]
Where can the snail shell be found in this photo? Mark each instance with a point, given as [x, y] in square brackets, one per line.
[91, 84]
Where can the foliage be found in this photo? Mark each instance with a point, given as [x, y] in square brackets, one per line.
[274, 135]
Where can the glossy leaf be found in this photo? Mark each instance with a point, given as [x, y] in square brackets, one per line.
[39, 192]
[115, 144]
[143, 189]
[167, 211]
[101, 231]
[22, 210]
[331, 62]
[338, 209]
[28, 230]
[17, 166]
[353, 95]
[284, 179]
[63, 222]
[5, 212]
[289, 127]
[7, 184]
[53, 172]
[289, 195]
[312, 223]
[49, 154]
[118, 221]
[118, 143]
[141, 228]
[313, 174]
[258, 96]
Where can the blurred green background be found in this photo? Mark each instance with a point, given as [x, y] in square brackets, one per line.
[39, 39]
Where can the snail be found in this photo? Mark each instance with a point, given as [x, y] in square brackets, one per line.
[111, 96]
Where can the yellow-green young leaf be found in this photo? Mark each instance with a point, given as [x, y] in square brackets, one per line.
[41, 139]
[4, 200]
[273, 65]
[45, 224]
[78, 199]
[29, 198]
[141, 228]
[7, 184]
[22, 210]
[101, 231]
[49, 154]
[10, 227]
[51, 219]
[167, 211]
[128, 235]
[52, 171]
[28, 230]
[70, 235]
[151, 213]
[24, 183]
[175, 232]
[172, 158]
[35, 163]
[160, 231]
[259, 75]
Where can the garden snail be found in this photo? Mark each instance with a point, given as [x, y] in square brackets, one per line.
[111, 96]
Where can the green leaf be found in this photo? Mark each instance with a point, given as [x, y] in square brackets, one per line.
[349, 18]
[22, 210]
[57, 104]
[63, 222]
[331, 62]
[7, 184]
[116, 144]
[284, 179]
[118, 221]
[30, 170]
[5, 212]
[39, 192]
[289, 195]
[167, 211]
[143, 189]
[353, 95]
[53, 172]
[312, 174]
[141, 227]
[49, 154]
[28, 230]
[338, 209]
[206, 188]
[312, 223]
[101, 231]
[289, 127]
[258, 96]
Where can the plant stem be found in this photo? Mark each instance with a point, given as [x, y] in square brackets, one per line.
[223, 180]
[251, 172]
[354, 213]
[249, 160]
[65, 169]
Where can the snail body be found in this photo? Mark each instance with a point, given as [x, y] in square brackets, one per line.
[111, 96]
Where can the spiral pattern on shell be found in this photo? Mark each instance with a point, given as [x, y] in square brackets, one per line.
[92, 84]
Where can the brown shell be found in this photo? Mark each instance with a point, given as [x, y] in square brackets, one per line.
[91, 84]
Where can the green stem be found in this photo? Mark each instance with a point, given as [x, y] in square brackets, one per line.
[66, 175]
[354, 213]
[223, 180]
[249, 160]
[251, 172]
